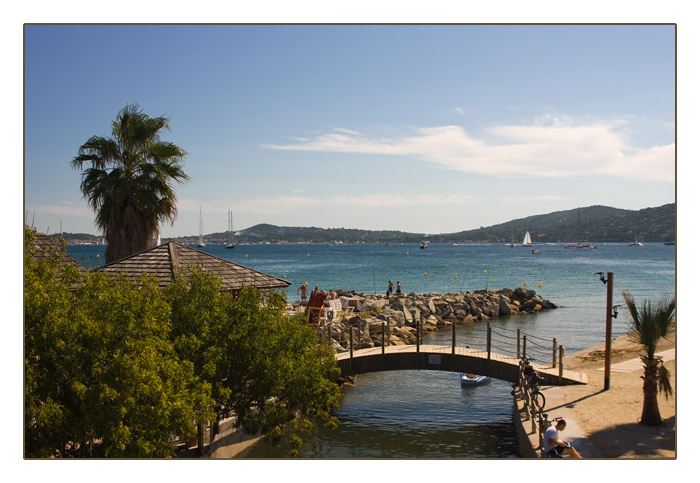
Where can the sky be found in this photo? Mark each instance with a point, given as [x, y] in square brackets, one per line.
[420, 128]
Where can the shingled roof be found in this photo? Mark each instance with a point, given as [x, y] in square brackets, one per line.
[45, 248]
[173, 259]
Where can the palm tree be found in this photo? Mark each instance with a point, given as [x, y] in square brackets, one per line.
[651, 323]
[128, 180]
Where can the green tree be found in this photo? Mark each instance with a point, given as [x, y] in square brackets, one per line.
[50, 418]
[128, 181]
[650, 323]
[281, 374]
[102, 377]
[270, 371]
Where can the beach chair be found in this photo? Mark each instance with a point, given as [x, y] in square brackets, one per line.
[315, 307]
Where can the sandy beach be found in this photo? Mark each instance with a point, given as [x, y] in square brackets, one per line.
[604, 424]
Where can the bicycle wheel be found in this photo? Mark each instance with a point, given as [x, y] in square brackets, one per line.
[539, 399]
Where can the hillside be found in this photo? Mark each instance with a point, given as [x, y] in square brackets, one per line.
[590, 224]
[597, 224]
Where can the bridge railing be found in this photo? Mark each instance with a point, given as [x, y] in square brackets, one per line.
[489, 339]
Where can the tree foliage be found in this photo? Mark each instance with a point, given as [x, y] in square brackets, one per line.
[651, 322]
[102, 377]
[273, 372]
[128, 181]
[117, 368]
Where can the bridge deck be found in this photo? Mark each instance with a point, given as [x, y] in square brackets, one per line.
[440, 357]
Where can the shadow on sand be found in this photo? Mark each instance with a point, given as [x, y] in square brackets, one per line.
[634, 440]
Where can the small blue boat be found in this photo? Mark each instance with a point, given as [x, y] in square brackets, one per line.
[472, 379]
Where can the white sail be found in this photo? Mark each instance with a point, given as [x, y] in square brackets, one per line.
[527, 240]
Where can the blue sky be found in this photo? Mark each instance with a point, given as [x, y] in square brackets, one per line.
[427, 129]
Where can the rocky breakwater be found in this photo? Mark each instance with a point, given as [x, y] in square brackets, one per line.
[366, 315]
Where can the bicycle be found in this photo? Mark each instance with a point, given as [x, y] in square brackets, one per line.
[533, 380]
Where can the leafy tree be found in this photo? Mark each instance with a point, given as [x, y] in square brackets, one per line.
[128, 180]
[281, 374]
[102, 377]
[651, 323]
[49, 418]
[273, 372]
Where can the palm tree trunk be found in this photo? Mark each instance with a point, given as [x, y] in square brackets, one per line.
[650, 410]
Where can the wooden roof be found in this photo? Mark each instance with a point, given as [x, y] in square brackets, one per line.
[45, 248]
[173, 259]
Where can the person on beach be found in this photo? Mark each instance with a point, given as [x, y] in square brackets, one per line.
[390, 289]
[302, 289]
[555, 447]
[398, 287]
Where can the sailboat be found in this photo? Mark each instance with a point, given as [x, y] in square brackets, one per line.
[635, 243]
[230, 243]
[201, 243]
[512, 242]
[527, 241]
[578, 238]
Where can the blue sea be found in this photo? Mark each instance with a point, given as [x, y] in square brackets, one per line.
[563, 276]
[428, 414]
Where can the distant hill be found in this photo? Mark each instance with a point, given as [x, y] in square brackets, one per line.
[590, 224]
[597, 224]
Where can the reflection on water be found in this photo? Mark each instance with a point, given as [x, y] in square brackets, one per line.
[414, 414]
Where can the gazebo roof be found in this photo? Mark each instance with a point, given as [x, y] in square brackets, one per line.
[173, 259]
[45, 248]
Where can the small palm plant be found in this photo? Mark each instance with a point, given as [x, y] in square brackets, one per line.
[650, 323]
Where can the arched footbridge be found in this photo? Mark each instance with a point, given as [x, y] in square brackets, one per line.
[466, 358]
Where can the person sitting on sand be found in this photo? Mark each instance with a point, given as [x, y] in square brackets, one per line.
[555, 447]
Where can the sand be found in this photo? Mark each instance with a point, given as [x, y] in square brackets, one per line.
[608, 421]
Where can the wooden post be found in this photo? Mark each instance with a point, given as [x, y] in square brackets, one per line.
[608, 332]
[488, 339]
[524, 391]
[329, 333]
[524, 346]
[200, 439]
[351, 343]
[554, 353]
[420, 324]
[383, 331]
[454, 337]
[517, 345]
[561, 363]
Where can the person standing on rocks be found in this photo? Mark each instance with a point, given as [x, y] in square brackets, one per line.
[302, 289]
[390, 289]
[398, 287]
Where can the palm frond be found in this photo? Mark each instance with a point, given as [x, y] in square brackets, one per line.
[650, 322]
[665, 381]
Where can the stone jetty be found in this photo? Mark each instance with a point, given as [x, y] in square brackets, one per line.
[367, 314]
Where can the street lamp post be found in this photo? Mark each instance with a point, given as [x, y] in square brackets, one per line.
[608, 326]
[608, 332]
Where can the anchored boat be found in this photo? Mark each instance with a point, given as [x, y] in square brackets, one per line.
[472, 379]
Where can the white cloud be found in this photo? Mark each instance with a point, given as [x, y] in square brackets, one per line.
[289, 204]
[553, 146]
[65, 208]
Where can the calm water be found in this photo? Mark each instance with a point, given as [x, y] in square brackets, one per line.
[426, 414]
